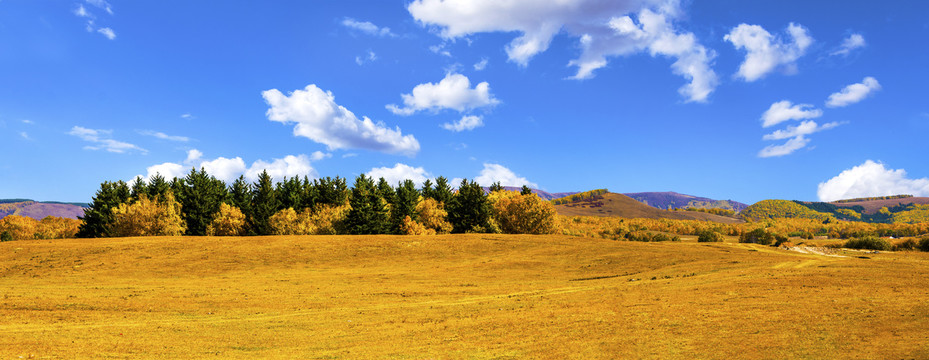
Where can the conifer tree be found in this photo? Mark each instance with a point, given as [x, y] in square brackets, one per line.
[240, 197]
[386, 192]
[405, 205]
[496, 187]
[98, 218]
[469, 210]
[290, 194]
[200, 197]
[309, 195]
[137, 189]
[525, 190]
[427, 190]
[264, 205]
[331, 191]
[158, 188]
[368, 214]
[442, 192]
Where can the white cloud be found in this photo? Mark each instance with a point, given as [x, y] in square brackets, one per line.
[367, 27]
[399, 173]
[187, 116]
[229, 169]
[101, 4]
[468, 122]
[361, 60]
[452, 92]
[279, 169]
[498, 173]
[852, 42]
[164, 136]
[440, 49]
[599, 25]
[349, 155]
[782, 111]
[480, 65]
[789, 147]
[319, 118]
[319, 155]
[766, 52]
[193, 155]
[24, 135]
[805, 128]
[109, 33]
[871, 179]
[167, 170]
[101, 140]
[853, 93]
[82, 12]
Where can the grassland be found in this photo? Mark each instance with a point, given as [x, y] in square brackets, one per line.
[455, 296]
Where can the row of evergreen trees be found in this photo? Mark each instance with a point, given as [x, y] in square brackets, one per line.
[373, 207]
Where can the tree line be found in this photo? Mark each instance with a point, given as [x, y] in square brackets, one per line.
[202, 205]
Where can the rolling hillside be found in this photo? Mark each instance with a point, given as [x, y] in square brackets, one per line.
[39, 210]
[906, 209]
[613, 204]
[671, 200]
[542, 193]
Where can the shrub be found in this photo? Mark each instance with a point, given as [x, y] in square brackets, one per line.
[147, 217]
[908, 244]
[923, 244]
[433, 216]
[709, 236]
[285, 222]
[757, 236]
[410, 227]
[6, 236]
[229, 221]
[515, 213]
[869, 243]
[19, 227]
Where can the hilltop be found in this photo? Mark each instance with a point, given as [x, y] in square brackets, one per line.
[39, 210]
[889, 209]
[668, 200]
[541, 193]
[619, 205]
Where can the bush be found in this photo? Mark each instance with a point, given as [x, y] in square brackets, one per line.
[908, 244]
[515, 213]
[709, 236]
[6, 236]
[923, 244]
[869, 243]
[757, 236]
[229, 221]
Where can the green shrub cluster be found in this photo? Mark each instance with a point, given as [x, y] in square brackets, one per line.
[584, 196]
[869, 243]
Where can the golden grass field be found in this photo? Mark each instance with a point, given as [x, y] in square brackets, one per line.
[454, 296]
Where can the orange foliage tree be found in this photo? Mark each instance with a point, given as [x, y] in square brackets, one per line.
[17, 227]
[228, 221]
[515, 213]
[147, 217]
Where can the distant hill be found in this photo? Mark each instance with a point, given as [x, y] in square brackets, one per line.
[671, 200]
[542, 193]
[39, 210]
[619, 205]
[890, 209]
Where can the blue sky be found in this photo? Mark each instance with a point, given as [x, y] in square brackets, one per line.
[725, 99]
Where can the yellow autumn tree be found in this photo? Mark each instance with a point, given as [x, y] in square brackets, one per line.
[285, 222]
[18, 227]
[432, 215]
[53, 227]
[515, 213]
[146, 217]
[410, 227]
[228, 221]
[325, 220]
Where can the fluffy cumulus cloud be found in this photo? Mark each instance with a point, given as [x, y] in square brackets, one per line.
[367, 27]
[100, 140]
[229, 169]
[766, 52]
[603, 28]
[787, 148]
[852, 42]
[805, 128]
[782, 111]
[394, 175]
[498, 173]
[317, 117]
[468, 122]
[854, 93]
[871, 179]
[453, 92]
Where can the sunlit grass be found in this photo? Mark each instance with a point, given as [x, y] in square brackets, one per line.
[455, 296]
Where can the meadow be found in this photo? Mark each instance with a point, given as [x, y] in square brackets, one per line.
[475, 296]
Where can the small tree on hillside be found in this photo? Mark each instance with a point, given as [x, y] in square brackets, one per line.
[468, 210]
[496, 187]
[99, 216]
[368, 214]
[406, 199]
[264, 205]
[525, 190]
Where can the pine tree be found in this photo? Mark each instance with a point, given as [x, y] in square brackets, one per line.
[240, 196]
[98, 218]
[290, 194]
[309, 194]
[469, 210]
[496, 187]
[368, 214]
[137, 189]
[200, 197]
[525, 190]
[158, 188]
[332, 191]
[386, 192]
[427, 191]
[442, 192]
[405, 206]
[264, 205]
